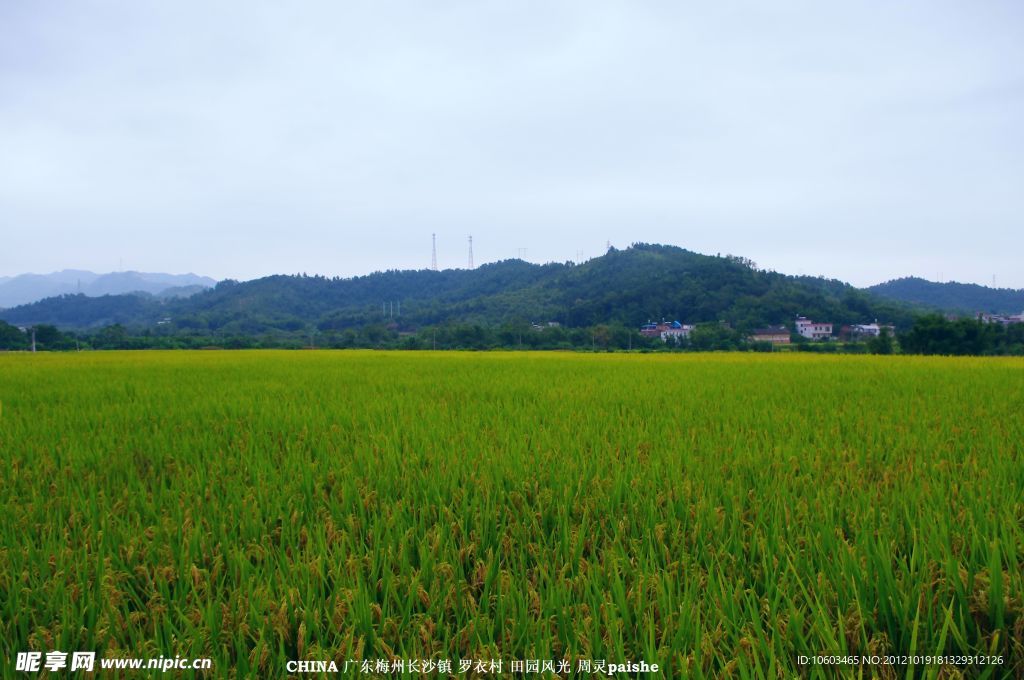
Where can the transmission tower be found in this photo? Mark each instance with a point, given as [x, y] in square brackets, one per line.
[470, 252]
[433, 252]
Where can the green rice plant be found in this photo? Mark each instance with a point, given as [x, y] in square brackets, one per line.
[718, 514]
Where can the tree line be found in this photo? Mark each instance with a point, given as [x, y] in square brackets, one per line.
[930, 334]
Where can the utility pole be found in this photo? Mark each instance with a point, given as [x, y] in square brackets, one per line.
[471, 252]
[33, 339]
[433, 252]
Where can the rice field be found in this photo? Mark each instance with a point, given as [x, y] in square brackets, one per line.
[719, 515]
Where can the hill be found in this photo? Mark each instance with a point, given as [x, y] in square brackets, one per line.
[963, 298]
[624, 287]
[28, 288]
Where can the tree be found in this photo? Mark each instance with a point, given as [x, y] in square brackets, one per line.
[514, 333]
[48, 337]
[111, 337]
[882, 344]
[11, 337]
[934, 334]
[714, 336]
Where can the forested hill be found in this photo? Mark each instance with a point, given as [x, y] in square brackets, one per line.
[967, 298]
[624, 286]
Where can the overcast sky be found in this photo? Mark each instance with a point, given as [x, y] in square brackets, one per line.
[861, 141]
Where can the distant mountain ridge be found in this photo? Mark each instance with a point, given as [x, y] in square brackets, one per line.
[962, 298]
[29, 288]
[624, 287]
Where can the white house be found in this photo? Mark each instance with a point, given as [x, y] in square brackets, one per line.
[677, 331]
[870, 330]
[814, 331]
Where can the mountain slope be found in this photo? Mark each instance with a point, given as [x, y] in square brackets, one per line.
[28, 288]
[624, 286]
[952, 297]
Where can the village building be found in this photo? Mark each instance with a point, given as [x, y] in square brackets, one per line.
[777, 335]
[812, 330]
[676, 332]
[864, 331]
[650, 330]
[666, 330]
[1005, 319]
[869, 330]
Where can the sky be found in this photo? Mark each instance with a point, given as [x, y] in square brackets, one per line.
[861, 141]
